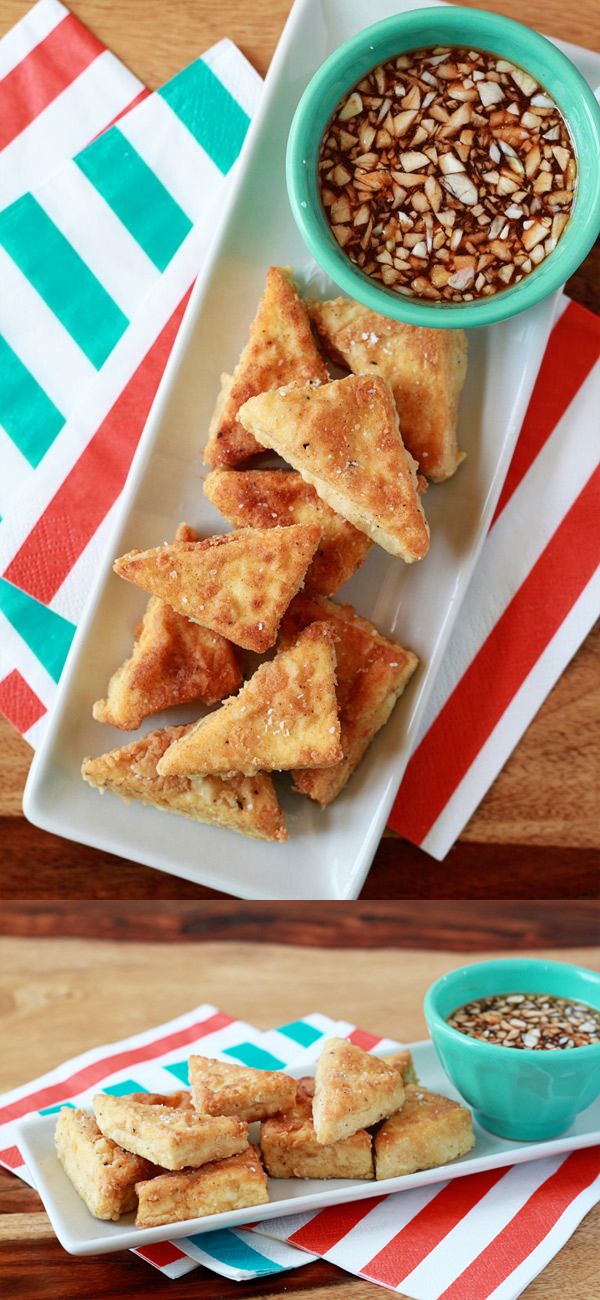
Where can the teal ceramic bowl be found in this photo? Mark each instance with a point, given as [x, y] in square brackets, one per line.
[445, 26]
[525, 1095]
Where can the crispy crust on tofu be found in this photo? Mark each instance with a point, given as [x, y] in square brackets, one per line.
[345, 439]
[172, 662]
[425, 369]
[403, 1062]
[287, 708]
[101, 1172]
[174, 1137]
[222, 1185]
[280, 350]
[220, 1088]
[353, 1090]
[270, 497]
[181, 1100]
[238, 803]
[290, 1149]
[428, 1131]
[239, 584]
[372, 673]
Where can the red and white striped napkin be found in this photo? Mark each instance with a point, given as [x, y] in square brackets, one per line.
[484, 1236]
[535, 593]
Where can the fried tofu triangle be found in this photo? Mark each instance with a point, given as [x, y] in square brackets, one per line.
[352, 1090]
[174, 1137]
[425, 369]
[290, 1149]
[219, 1088]
[429, 1131]
[345, 439]
[288, 708]
[101, 1172]
[172, 662]
[238, 803]
[372, 673]
[194, 1193]
[403, 1062]
[239, 584]
[280, 350]
[270, 497]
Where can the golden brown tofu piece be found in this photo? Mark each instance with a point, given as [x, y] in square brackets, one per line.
[290, 1149]
[181, 1100]
[403, 1062]
[174, 1137]
[425, 369]
[221, 1088]
[353, 1090]
[345, 439]
[239, 584]
[273, 497]
[173, 661]
[428, 1131]
[280, 350]
[103, 1174]
[237, 803]
[288, 708]
[217, 1187]
[372, 673]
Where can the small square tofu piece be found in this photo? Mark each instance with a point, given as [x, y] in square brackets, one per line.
[290, 1148]
[429, 1131]
[403, 1062]
[170, 1136]
[219, 1186]
[219, 1088]
[101, 1172]
[353, 1090]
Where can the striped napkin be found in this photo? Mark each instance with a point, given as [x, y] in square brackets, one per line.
[480, 1236]
[100, 254]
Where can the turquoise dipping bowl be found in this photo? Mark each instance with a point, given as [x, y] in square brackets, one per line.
[475, 29]
[525, 1095]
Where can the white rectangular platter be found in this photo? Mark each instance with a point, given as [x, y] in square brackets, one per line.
[329, 851]
[81, 1234]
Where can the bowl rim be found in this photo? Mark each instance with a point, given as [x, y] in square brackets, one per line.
[436, 1022]
[573, 246]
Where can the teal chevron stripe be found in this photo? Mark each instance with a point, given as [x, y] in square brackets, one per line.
[225, 1247]
[52, 1110]
[27, 414]
[300, 1033]
[206, 107]
[256, 1057]
[181, 1071]
[136, 195]
[47, 634]
[123, 1088]
[62, 279]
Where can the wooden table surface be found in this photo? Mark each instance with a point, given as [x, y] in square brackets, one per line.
[60, 996]
[537, 831]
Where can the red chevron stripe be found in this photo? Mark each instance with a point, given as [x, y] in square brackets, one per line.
[572, 351]
[97, 1070]
[500, 667]
[19, 704]
[43, 74]
[528, 1228]
[95, 481]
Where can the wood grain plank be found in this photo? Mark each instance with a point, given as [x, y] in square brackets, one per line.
[450, 926]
